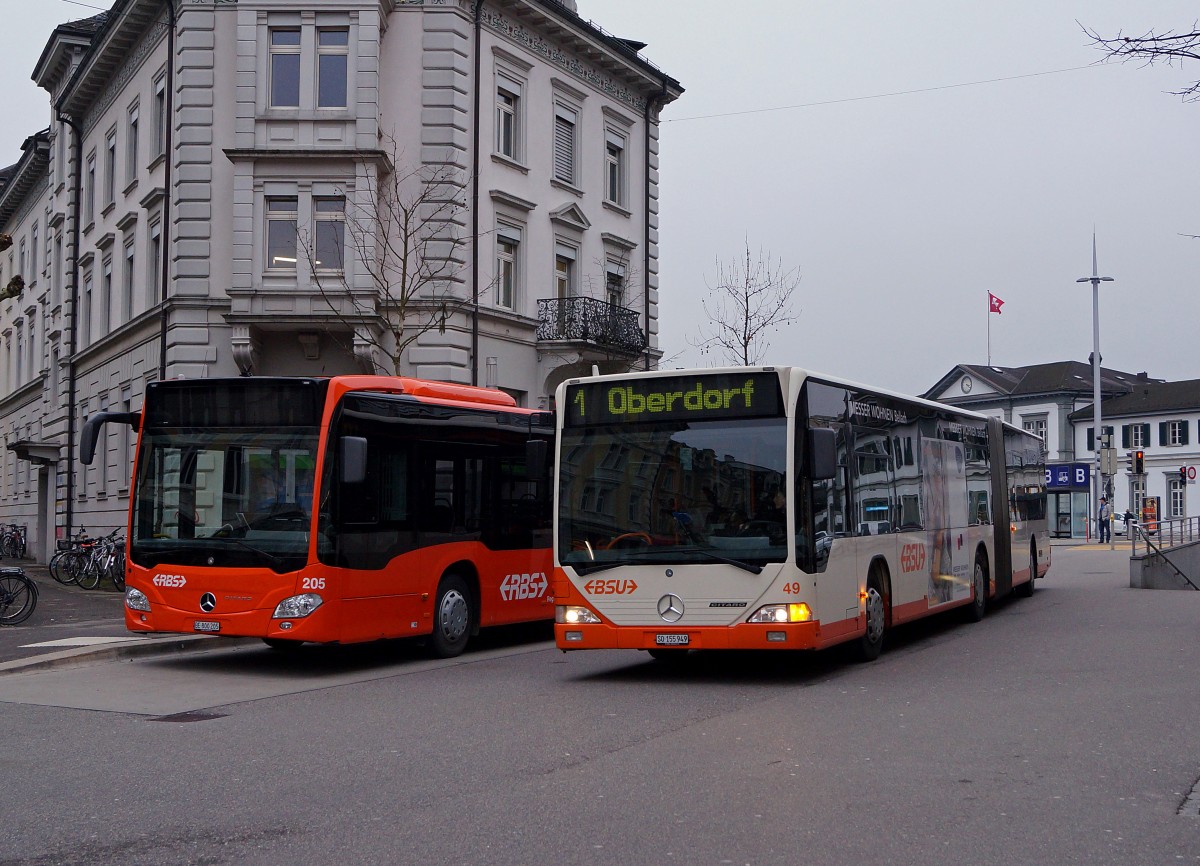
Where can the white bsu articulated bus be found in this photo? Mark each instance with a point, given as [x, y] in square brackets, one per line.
[773, 508]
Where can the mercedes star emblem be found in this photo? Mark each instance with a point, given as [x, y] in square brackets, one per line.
[670, 608]
[207, 602]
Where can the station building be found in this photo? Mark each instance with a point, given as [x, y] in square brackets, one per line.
[462, 190]
[1160, 419]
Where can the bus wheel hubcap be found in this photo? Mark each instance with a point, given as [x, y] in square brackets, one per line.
[874, 615]
[453, 615]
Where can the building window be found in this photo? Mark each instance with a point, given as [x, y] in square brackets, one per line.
[90, 194]
[1176, 494]
[21, 262]
[33, 252]
[1139, 435]
[614, 168]
[285, 68]
[131, 146]
[110, 168]
[614, 282]
[1036, 426]
[564, 271]
[85, 321]
[565, 128]
[329, 214]
[508, 117]
[57, 274]
[20, 371]
[332, 59]
[160, 116]
[508, 243]
[154, 277]
[105, 305]
[281, 234]
[127, 283]
[1174, 433]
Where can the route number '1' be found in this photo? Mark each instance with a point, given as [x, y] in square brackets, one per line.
[579, 400]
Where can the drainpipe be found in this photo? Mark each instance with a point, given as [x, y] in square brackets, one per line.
[73, 341]
[165, 227]
[475, 203]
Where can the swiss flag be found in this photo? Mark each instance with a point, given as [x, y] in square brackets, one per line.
[994, 303]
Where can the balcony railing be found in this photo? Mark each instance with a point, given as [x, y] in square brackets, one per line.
[590, 320]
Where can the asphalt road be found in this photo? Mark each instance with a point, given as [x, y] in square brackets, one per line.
[1061, 729]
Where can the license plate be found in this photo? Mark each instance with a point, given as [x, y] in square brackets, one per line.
[671, 639]
[206, 625]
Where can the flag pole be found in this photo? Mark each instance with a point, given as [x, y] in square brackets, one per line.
[989, 318]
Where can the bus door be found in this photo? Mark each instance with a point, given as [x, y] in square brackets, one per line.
[1002, 519]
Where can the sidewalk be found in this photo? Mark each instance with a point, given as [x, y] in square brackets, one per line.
[71, 625]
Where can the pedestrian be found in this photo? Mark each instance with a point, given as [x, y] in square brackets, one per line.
[1128, 520]
[1105, 533]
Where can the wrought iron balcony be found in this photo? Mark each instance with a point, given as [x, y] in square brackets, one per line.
[590, 320]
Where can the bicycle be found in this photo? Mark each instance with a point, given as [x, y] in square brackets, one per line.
[12, 541]
[67, 562]
[105, 558]
[18, 596]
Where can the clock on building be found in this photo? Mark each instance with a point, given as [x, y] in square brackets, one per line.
[965, 384]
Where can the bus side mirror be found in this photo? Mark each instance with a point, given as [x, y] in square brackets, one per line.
[536, 451]
[352, 459]
[822, 454]
[91, 431]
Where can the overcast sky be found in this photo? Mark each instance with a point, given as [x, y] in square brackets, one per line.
[900, 212]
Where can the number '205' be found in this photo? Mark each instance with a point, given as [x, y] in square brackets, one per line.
[313, 583]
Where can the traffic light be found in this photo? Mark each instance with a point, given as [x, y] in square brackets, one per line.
[1139, 462]
[1183, 474]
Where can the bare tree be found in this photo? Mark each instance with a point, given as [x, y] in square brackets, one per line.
[1166, 47]
[751, 299]
[402, 252]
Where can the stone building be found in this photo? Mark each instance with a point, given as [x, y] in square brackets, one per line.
[232, 188]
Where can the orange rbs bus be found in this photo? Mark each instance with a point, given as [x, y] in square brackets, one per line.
[335, 510]
[772, 508]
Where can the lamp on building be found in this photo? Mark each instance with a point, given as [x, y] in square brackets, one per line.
[492, 375]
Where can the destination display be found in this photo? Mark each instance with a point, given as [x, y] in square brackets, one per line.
[694, 397]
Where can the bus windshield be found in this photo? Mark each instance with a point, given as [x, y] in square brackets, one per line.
[680, 491]
[224, 497]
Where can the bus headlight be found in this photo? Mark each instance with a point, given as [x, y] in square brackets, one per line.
[297, 607]
[776, 613]
[574, 615]
[135, 599]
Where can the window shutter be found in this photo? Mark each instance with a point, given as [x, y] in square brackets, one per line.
[1162, 432]
[1145, 434]
[1091, 446]
[564, 149]
[1125, 435]
[1183, 432]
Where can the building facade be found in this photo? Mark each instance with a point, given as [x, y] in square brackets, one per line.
[1055, 401]
[463, 190]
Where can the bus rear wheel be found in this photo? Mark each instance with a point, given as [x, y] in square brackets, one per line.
[979, 587]
[1025, 590]
[453, 614]
[871, 643]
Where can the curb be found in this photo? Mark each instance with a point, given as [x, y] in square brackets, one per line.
[134, 648]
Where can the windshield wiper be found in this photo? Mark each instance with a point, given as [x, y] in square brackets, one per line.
[592, 567]
[736, 563]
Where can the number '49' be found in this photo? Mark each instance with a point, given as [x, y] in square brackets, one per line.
[791, 588]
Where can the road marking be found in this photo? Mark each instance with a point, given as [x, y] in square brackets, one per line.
[78, 641]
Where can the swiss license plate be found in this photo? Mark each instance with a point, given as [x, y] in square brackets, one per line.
[206, 625]
[671, 639]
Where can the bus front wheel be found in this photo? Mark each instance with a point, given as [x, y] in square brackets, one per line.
[452, 617]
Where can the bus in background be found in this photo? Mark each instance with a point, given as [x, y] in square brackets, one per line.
[772, 508]
[335, 510]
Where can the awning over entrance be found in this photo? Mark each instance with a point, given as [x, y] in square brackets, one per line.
[42, 453]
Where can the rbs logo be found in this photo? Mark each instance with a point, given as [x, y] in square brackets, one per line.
[517, 587]
[912, 558]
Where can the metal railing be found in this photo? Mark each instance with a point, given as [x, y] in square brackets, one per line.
[1165, 534]
[590, 320]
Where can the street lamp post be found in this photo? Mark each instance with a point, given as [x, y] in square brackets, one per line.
[1095, 279]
